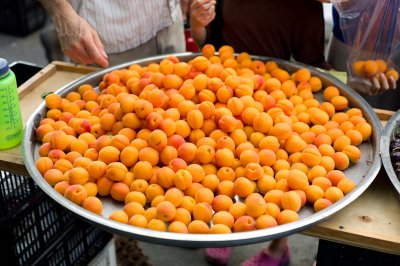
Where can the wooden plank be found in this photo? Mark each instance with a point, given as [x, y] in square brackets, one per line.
[371, 221]
[384, 115]
[51, 78]
[70, 67]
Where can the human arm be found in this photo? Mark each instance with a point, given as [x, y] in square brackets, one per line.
[79, 41]
[202, 13]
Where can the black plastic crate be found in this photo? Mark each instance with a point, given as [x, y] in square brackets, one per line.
[77, 246]
[17, 192]
[336, 254]
[30, 231]
[24, 71]
[21, 17]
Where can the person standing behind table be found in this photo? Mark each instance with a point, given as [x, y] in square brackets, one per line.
[111, 32]
[281, 29]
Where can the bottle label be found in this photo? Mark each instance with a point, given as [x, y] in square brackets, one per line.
[10, 114]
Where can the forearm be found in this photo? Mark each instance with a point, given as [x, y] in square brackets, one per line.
[59, 10]
[198, 33]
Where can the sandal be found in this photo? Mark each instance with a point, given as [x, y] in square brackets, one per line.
[218, 256]
[262, 258]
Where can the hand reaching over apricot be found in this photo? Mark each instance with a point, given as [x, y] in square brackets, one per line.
[78, 39]
[202, 12]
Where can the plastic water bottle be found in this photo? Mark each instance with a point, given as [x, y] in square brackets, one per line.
[10, 111]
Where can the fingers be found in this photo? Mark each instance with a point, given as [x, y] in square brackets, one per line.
[384, 82]
[96, 51]
[375, 83]
[204, 4]
[392, 83]
[78, 54]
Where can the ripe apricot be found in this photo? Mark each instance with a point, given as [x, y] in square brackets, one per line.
[244, 223]
[291, 201]
[333, 194]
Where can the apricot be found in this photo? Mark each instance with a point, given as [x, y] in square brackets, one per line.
[157, 224]
[225, 188]
[352, 152]
[297, 179]
[243, 187]
[341, 160]
[339, 102]
[244, 223]
[53, 176]
[152, 191]
[322, 182]
[165, 211]
[291, 201]
[203, 212]
[365, 129]
[198, 227]
[274, 196]
[295, 144]
[78, 175]
[139, 185]
[346, 185]
[43, 164]
[109, 154]
[119, 216]
[138, 220]
[281, 131]
[118, 191]
[265, 221]
[75, 193]
[287, 216]
[333, 194]
[182, 179]
[255, 205]
[61, 186]
[204, 195]
[93, 204]
[224, 157]
[392, 74]
[335, 176]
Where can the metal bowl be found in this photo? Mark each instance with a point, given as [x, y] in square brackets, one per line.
[363, 173]
[391, 128]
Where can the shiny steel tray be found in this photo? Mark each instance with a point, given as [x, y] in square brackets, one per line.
[363, 173]
[389, 132]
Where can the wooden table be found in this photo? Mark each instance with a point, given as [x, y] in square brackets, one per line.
[372, 221]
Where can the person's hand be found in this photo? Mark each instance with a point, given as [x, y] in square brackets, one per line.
[202, 12]
[80, 42]
[374, 86]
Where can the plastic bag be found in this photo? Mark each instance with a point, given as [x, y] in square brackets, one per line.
[372, 28]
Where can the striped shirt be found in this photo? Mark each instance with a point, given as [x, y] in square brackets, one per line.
[125, 24]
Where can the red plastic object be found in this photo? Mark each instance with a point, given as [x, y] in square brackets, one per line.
[191, 46]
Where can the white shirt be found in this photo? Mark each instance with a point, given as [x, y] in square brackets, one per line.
[125, 24]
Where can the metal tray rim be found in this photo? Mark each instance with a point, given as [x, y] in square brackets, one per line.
[385, 150]
[198, 240]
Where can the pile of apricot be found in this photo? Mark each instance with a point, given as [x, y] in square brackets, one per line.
[219, 144]
[372, 68]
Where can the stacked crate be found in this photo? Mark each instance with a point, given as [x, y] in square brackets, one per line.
[36, 230]
[21, 17]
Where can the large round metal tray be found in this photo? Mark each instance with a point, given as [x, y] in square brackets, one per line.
[389, 132]
[362, 173]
